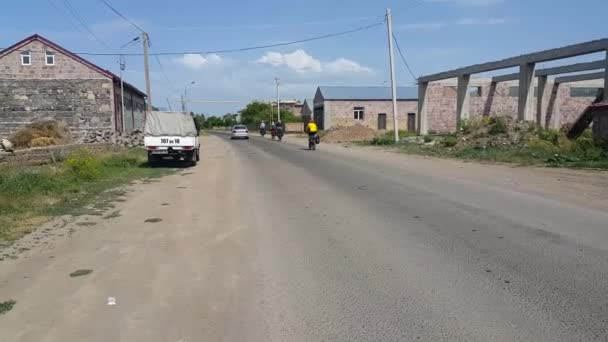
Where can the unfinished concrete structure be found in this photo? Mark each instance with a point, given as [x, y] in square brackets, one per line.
[529, 81]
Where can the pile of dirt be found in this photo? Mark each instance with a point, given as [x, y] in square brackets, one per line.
[349, 133]
[42, 133]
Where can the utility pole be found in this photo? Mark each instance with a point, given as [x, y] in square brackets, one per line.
[389, 23]
[278, 100]
[122, 90]
[183, 103]
[144, 38]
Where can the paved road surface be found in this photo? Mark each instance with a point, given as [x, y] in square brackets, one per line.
[264, 241]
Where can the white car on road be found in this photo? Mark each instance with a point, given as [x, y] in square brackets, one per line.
[240, 132]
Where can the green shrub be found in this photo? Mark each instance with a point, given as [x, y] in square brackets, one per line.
[549, 135]
[449, 141]
[84, 164]
[432, 132]
[498, 126]
[428, 138]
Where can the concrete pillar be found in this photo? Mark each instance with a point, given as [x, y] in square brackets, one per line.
[422, 108]
[462, 99]
[526, 92]
[606, 77]
[542, 83]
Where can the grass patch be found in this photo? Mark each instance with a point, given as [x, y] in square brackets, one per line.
[33, 195]
[538, 147]
[388, 138]
[7, 306]
[153, 220]
[80, 273]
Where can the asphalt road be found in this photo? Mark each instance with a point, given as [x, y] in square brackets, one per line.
[266, 241]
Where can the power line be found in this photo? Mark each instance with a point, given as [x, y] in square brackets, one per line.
[259, 47]
[66, 17]
[122, 16]
[160, 65]
[83, 22]
[403, 58]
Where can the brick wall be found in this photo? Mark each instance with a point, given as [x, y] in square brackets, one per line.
[85, 105]
[558, 107]
[341, 113]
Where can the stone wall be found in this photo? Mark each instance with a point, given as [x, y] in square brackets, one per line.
[65, 66]
[85, 105]
[341, 113]
[45, 155]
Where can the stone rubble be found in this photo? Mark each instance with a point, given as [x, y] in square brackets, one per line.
[128, 139]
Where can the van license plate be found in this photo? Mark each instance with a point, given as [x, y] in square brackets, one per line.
[160, 152]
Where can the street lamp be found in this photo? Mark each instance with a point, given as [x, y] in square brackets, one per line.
[185, 97]
[123, 66]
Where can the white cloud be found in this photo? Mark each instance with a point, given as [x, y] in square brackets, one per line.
[298, 60]
[301, 62]
[479, 21]
[434, 26]
[196, 61]
[423, 26]
[468, 2]
[343, 65]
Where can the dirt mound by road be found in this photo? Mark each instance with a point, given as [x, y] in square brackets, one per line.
[349, 133]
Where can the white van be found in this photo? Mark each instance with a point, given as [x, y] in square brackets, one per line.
[171, 135]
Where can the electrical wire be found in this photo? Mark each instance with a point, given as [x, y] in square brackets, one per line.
[403, 58]
[83, 22]
[120, 15]
[250, 48]
[259, 47]
[66, 17]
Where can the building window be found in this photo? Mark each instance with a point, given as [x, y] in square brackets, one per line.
[584, 91]
[26, 58]
[359, 113]
[50, 58]
[475, 91]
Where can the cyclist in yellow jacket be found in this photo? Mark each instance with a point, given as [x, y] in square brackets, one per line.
[311, 128]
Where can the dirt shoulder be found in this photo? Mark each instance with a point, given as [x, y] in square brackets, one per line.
[582, 187]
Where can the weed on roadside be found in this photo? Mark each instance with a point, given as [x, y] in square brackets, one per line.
[80, 273]
[31, 196]
[7, 306]
[152, 220]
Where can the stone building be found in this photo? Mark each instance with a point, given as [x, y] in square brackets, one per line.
[369, 106]
[41, 80]
[307, 109]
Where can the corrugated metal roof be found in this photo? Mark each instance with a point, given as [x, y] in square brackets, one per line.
[367, 93]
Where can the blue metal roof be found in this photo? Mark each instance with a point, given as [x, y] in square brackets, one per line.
[367, 93]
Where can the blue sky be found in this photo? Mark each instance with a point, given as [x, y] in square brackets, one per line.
[435, 35]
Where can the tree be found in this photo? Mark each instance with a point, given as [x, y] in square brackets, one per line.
[229, 119]
[257, 111]
[199, 120]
